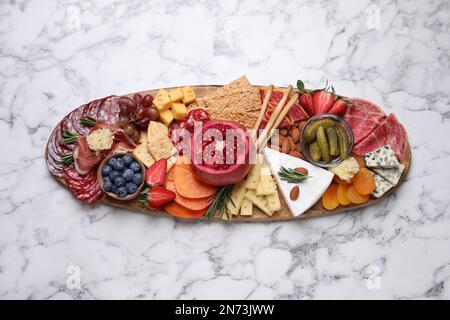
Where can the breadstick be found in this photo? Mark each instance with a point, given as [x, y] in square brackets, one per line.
[262, 112]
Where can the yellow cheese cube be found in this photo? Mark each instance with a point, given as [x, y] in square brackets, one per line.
[176, 94]
[162, 102]
[179, 111]
[188, 95]
[162, 92]
[166, 117]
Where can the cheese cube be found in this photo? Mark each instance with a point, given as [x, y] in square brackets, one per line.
[162, 92]
[246, 208]
[162, 102]
[176, 95]
[166, 117]
[179, 111]
[188, 95]
[237, 196]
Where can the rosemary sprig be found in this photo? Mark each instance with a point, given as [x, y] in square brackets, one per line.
[69, 137]
[67, 159]
[291, 176]
[142, 197]
[219, 204]
[88, 122]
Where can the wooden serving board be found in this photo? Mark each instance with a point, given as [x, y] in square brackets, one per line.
[258, 216]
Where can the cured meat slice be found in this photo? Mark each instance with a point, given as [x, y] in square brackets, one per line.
[297, 113]
[109, 110]
[85, 158]
[84, 187]
[389, 132]
[377, 138]
[397, 137]
[75, 117]
[363, 117]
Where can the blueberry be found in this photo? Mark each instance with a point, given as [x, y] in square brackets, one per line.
[107, 185]
[112, 161]
[137, 178]
[127, 159]
[118, 165]
[131, 187]
[114, 174]
[113, 189]
[119, 181]
[106, 170]
[135, 166]
[128, 174]
[121, 192]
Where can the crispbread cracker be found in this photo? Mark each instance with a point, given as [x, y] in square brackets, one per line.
[158, 142]
[237, 101]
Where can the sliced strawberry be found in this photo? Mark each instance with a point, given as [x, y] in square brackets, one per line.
[339, 107]
[323, 101]
[156, 173]
[158, 197]
[306, 101]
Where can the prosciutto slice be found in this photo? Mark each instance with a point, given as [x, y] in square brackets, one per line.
[363, 117]
[389, 132]
[85, 158]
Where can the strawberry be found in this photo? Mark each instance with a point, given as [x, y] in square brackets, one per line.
[156, 173]
[323, 101]
[158, 197]
[306, 101]
[339, 107]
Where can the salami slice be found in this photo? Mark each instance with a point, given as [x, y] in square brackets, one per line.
[84, 187]
[75, 119]
[109, 111]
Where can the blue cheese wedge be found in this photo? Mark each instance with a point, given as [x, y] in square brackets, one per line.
[383, 157]
[381, 186]
[392, 175]
[311, 189]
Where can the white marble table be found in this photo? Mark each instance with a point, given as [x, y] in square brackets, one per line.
[55, 56]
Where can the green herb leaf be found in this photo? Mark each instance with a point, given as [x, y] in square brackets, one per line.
[219, 204]
[88, 122]
[67, 159]
[69, 137]
[300, 86]
[291, 176]
[142, 197]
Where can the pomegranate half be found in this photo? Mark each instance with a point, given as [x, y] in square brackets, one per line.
[221, 152]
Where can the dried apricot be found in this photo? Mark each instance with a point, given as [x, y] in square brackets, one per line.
[342, 194]
[360, 160]
[329, 198]
[355, 197]
[363, 182]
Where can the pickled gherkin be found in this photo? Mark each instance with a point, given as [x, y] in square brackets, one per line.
[343, 142]
[332, 141]
[323, 144]
[314, 151]
[310, 132]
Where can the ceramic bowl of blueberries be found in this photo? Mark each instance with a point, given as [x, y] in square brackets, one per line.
[121, 176]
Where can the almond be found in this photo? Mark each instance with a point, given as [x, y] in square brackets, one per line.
[295, 134]
[284, 132]
[301, 170]
[281, 139]
[285, 147]
[301, 125]
[294, 193]
[297, 154]
[292, 145]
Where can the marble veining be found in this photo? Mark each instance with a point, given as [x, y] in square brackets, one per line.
[56, 55]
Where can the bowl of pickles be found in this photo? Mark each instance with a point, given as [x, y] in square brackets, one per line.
[326, 140]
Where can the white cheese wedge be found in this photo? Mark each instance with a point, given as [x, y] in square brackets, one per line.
[392, 175]
[237, 196]
[259, 201]
[311, 189]
[381, 186]
[246, 207]
[383, 157]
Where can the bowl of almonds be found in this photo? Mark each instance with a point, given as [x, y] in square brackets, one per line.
[287, 140]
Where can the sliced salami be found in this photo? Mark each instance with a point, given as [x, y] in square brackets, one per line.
[75, 118]
[109, 110]
[363, 117]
